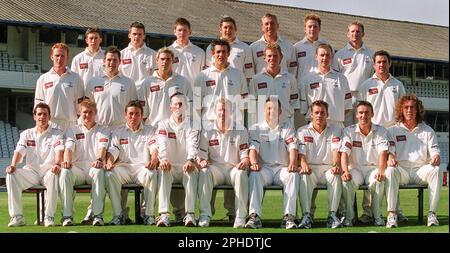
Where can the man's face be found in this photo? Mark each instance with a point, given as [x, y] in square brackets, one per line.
[88, 115]
[182, 32]
[227, 31]
[364, 115]
[178, 106]
[272, 57]
[93, 40]
[355, 34]
[111, 62]
[133, 116]
[41, 117]
[381, 65]
[59, 58]
[323, 57]
[222, 112]
[312, 29]
[409, 110]
[319, 115]
[136, 36]
[164, 62]
[269, 26]
[220, 54]
[271, 111]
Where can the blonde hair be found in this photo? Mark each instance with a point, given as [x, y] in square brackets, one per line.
[62, 46]
[165, 50]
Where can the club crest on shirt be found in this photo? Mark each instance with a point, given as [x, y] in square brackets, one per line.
[394, 89]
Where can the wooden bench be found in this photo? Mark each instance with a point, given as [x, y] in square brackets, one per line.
[137, 189]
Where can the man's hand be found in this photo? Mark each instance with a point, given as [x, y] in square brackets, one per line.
[346, 176]
[292, 167]
[436, 160]
[165, 165]
[110, 166]
[304, 169]
[380, 176]
[66, 165]
[153, 164]
[10, 169]
[255, 167]
[56, 169]
[188, 166]
[98, 164]
[336, 170]
[392, 161]
[203, 163]
[243, 164]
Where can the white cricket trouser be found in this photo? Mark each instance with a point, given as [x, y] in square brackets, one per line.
[364, 175]
[176, 175]
[216, 174]
[273, 175]
[82, 173]
[426, 174]
[321, 175]
[129, 174]
[63, 125]
[27, 177]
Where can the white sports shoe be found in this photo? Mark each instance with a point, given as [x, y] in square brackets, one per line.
[239, 222]
[306, 221]
[17, 221]
[49, 221]
[163, 220]
[392, 221]
[346, 222]
[290, 221]
[432, 219]
[379, 221]
[98, 221]
[333, 221]
[189, 220]
[67, 221]
[203, 221]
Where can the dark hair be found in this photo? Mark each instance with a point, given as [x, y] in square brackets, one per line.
[220, 42]
[182, 21]
[364, 103]
[227, 19]
[92, 30]
[112, 50]
[138, 25]
[43, 106]
[134, 103]
[382, 53]
[320, 103]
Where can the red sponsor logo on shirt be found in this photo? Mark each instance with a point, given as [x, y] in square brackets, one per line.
[301, 54]
[154, 88]
[151, 142]
[176, 60]
[123, 141]
[373, 91]
[348, 145]
[259, 53]
[336, 139]
[357, 144]
[293, 64]
[210, 83]
[84, 65]
[243, 146]
[48, 85]
[172, 135]
[294, 96]
[126, 61]
[162, 132]
[289, 140]
[248, 65]
[314, 85]
[401, 137]
[56, 143]
[103, 140]
[79, 136]
[347, 61]
[308, 139]
[99, 88]
[348, 95]
[31, 143]
[214, 142]
[262, 85]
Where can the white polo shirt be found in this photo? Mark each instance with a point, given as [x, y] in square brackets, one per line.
[86, 143]
[111, 96]
[133, 147]
[318, 147]
[225, 148]
[155, 94]
[282, 85]
[273, 145]
[288, 63]
[137, 63]
[88, 65]
[331, 88]
[355, 64]
[414, 148]
[306, 56]
[40, 149]
[213, 83]
[240, 57]
[177, 143]
[61, 93]
[364, 150]
[189, 61]
[383, 97]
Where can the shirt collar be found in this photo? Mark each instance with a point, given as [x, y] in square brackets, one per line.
[376, 77]
[176, 45]
[350, 47]
[132, 48]
[128, 128]
[86, 51]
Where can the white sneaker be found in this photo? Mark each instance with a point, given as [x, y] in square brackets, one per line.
[203, 221]
[67, 221]
[346, 222]
[432, 219]
[290, 221]
[306, 221]
[98, 221]
[49, 221]
[163, 220]
[189, 220]
[148, 220]
[391, 221]
[378, 221]
[88, 219]
[239, 222]
[333, 221]
[254, 221]
[115, 220]
[17, 221]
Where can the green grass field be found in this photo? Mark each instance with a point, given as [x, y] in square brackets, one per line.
[271, 217]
